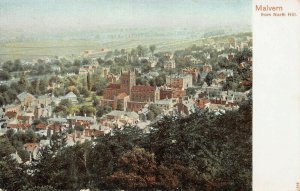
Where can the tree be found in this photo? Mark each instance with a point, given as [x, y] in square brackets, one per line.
[79, 128]
[43, 86]
[155, 109]
[87, 110]
[160, 80]
[12, 175]
[89, 83]
[38, 188]
[141, 51]
[150, 115]
[65, 107]
[102, 110]
[34, 88]
[133, 175]
[5, 147]
[152, 49]
[23, 83]
[209, 78]
[190, 91]
[108, 55]
[4, 75]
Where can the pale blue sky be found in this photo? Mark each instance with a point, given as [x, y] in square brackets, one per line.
[65, 15]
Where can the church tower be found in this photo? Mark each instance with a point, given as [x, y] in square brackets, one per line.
[127, 80]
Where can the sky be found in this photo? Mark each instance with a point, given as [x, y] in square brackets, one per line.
[84, 15]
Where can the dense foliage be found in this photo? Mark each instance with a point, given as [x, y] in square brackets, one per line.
[201, 152]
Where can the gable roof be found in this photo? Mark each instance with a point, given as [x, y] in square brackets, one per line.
[70, 95]
[22, 96]
[142, 88]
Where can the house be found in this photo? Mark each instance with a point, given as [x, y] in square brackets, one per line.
[185, 106]
[191, 71]
[143, 113]
[179, 81]
[234, 97]
[26, 99]
[166, 105]
[212, 91]
[119, 118]
[169, 64]
[192, 59]
[168, 92]
[32, 149]
[225, 73]
[11, 114]
[70, 96]
[24, 119]
[12, 108]
[153, 61]
[220, 108]
[206, 68]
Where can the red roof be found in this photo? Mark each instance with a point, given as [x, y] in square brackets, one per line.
[142, 88]
[114, 86]
[41, 126]
[18, 126]
[30, 146]
[54, 127]
[11, 114]
[22, 117]
[201, 102]
[122, 95]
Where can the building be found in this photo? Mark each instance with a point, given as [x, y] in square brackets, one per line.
[223, 74]
[191, 71]
[128, 80]
[169, 64]
[153, 61]
[141, 95]
[232, 42]
[71, 97]
[179, 81]
[26, 99]
[185, 106]
[116, 95]
[165, 104]
[233, 97]
[119, 118]
[85, 69]
[168, 92]
[206, 68]
[212, 91]
[111, 90]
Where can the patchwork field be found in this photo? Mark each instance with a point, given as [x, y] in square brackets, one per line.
[51, 48]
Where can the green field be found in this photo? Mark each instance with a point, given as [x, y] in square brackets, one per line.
[51, 48]
[67, 48]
